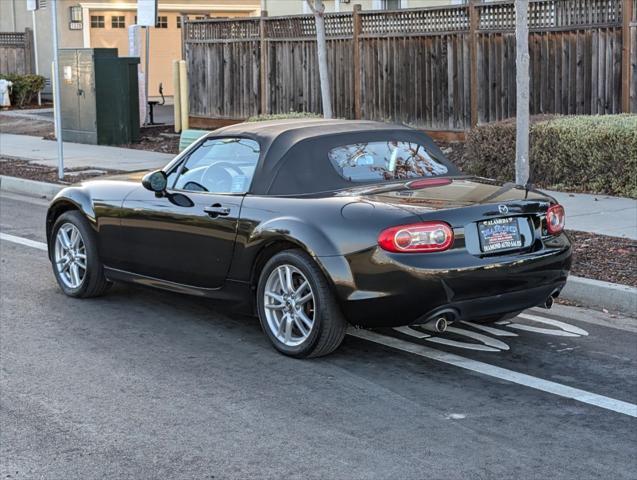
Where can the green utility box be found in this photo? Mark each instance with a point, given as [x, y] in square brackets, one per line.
[99, 96]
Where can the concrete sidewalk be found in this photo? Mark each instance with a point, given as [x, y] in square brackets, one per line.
[78, 155]
[601, 214]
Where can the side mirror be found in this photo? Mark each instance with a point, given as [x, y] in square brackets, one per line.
[156, 181]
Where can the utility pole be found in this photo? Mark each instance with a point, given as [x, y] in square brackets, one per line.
[522, 85]
[56, 90]
[147, 72]
[318, 8]
[35, 51]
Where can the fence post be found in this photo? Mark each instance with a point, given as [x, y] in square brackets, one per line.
[357, 27]
[184, 35]
[473, 68]
[627, 15]
[29, 62]
[263, 58]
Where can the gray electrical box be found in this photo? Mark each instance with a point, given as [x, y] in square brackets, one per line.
[99, 96]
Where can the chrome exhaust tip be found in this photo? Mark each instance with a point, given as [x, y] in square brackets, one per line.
[437, 325]
[548, 303]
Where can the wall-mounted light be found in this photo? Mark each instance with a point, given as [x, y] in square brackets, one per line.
[75, 22]
[76, 13]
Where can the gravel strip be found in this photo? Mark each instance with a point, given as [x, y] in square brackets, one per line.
[42, 173]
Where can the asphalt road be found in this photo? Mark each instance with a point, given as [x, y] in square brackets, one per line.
[143, 384]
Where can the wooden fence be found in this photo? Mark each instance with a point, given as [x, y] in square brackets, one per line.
[16, 52]
[444, 68]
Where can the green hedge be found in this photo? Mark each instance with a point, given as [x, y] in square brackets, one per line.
[24, 88]
[283, 116]
[596, 154]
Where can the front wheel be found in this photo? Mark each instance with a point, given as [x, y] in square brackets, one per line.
[297, 308]
[76, 265]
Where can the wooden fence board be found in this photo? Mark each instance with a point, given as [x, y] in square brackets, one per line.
[415, 65]
[16, 52]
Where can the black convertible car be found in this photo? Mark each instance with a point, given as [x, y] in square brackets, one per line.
[317, 223]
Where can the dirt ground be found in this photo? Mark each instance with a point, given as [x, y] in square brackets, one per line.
[601, 257]
[41, 173]
[25, 126]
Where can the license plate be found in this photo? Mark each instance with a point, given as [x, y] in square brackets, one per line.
[499, 234]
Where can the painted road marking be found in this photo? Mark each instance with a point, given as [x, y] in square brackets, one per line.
[466, 345]
[412, 332]
[23, 241]
[488, 344]
[457, 360]
[493, 331]
[549, 321]
[491, 342]
[565, 391]
[544, 331]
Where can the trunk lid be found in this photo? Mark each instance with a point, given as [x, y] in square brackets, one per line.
[461, 199]
[487, 218]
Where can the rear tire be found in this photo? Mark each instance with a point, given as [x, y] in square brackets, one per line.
[296, 306]
[76, 264]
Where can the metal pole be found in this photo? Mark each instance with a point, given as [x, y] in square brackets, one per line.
[35, 52]
[13, 22]
[146, 72]
[522, 85]
[56, 90]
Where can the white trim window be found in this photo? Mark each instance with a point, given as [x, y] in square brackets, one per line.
[389, 4]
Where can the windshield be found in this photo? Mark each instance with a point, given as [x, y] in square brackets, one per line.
[385, 160]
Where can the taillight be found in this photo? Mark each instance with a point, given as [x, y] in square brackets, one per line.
[417, 237]
[555, 219]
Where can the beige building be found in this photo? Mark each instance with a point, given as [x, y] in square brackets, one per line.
[93, 24]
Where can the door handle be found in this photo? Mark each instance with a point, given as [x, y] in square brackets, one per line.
[217, 210]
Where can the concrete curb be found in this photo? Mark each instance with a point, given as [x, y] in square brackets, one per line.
[595, 293]
[31, 188]
[583, 291]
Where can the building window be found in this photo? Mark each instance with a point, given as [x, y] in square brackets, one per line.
[118, 21]
[97, 21]
[178, 21]
[387, 4]
[162, 22]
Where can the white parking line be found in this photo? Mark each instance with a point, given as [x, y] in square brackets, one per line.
[491, 342]
[493, 331]
[583, 396]
[549, 321]
[23, 241]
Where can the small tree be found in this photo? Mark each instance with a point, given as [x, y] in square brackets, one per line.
[522, 85]
[318, 9]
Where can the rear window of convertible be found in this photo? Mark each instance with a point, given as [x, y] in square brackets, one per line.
[384, 160]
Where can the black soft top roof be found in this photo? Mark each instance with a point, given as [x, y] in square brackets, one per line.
[302, 145]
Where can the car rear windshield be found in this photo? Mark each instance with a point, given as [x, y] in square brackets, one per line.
[384, 160]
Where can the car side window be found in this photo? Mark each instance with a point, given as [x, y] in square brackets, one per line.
[219, 165]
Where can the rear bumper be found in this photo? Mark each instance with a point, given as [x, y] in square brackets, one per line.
[377, 289]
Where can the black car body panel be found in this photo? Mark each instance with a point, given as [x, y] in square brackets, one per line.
[169, 241]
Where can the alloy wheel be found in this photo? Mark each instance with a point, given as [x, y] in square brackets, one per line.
[70, 255]
[289, 305]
